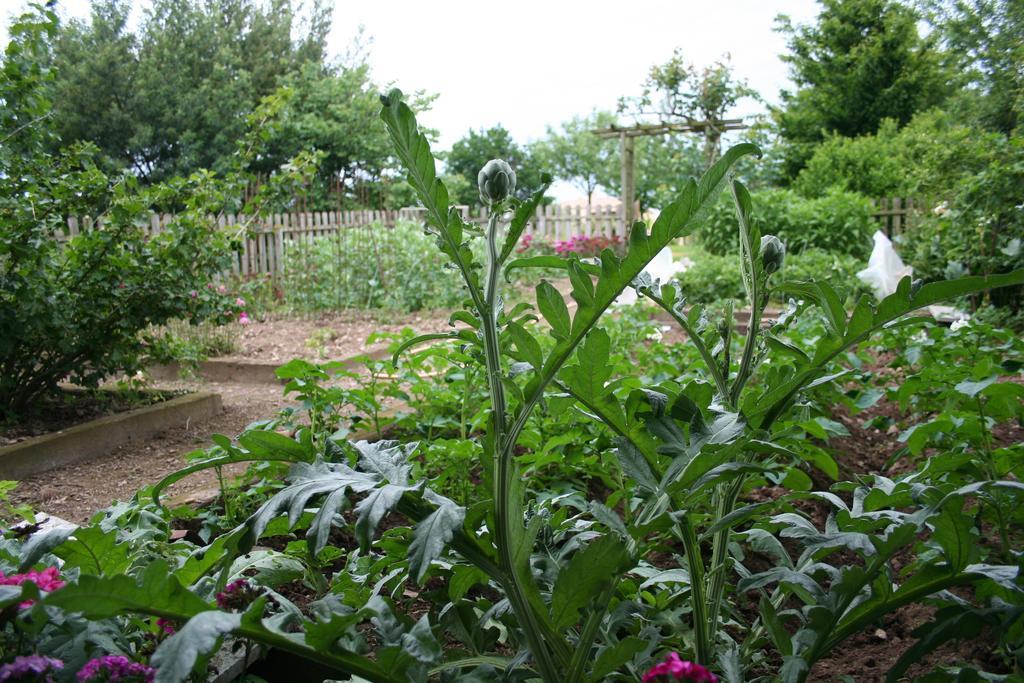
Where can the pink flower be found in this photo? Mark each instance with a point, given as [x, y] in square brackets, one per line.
[240, 302]
[238, 595]
[674, 668]
[222, 289]
[243, 318]
[167, 626]
[47, 581]
[193, 294]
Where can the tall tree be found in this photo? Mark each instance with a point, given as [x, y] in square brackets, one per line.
[173, 97]
[327, 110]
[574, 154]
[985, 41]
[861, 62]
[469, 154]
[679, 91]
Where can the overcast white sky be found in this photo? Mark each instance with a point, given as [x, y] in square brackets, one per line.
[533, 63]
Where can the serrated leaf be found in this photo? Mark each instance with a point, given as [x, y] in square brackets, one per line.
[42, 542]
[267, 568]
[420, 642]
[526, 345]
[201, 635]
[432, 535]
[583, 578]
[611, 658]
[95, 551]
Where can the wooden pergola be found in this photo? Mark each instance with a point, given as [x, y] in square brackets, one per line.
[627, 136]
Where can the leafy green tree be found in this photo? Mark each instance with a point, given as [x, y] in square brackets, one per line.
[73, 306]
[985, 41]
[577, 156]
[174, 97]
[662, 166]
[327, 110]
[861, 62]
[469, 154]
[679, 91]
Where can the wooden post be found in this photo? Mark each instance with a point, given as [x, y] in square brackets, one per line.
[627, 146]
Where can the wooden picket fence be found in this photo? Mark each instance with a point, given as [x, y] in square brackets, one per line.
[266, 241]
[898, 215]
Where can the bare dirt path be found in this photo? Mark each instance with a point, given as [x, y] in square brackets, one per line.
[74, 492]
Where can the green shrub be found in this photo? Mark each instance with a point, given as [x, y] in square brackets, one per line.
[839, 222]
[72, 307]
[714, 278]
[929, 157]
[869, 164]
[392, 269]
[981, 229]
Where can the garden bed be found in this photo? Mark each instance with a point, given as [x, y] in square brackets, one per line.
[333, 336]
[99, 436]
[74, 406]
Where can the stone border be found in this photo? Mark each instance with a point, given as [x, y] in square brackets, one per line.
[101, 436]
[246, 372]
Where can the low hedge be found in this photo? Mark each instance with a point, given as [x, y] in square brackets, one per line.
[838, 222]
[714, 278]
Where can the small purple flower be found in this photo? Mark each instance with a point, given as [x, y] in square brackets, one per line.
[115, 669]
[31, 668]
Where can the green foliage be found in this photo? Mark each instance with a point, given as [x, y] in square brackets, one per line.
[679, 91]
[981, 230]
[860, 63]
[79, 302]
[173, 97]
[714, 278]
[342, 271]
[613, 513]
[662, 165]
[982, 40]
[839, 222]
[469, 154]
[576, 155]
[326, 109]
[930, 157]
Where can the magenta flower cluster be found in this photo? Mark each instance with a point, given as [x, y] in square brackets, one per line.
[115, 669]
[587, 245]
[676, 669]
[30, 668]
[47, 580]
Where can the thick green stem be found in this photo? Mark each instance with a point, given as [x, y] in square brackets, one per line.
[695, 563]
[503, 470]
[726, 501]
[702, 349]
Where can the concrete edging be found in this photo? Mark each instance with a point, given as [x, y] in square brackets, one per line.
[246, 372]
[101, 436]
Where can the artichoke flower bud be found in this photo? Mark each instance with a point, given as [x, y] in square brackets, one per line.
[497, 181]
[773, 253]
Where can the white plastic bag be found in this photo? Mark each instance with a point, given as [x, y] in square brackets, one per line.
[662, 267]
[885, 268]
